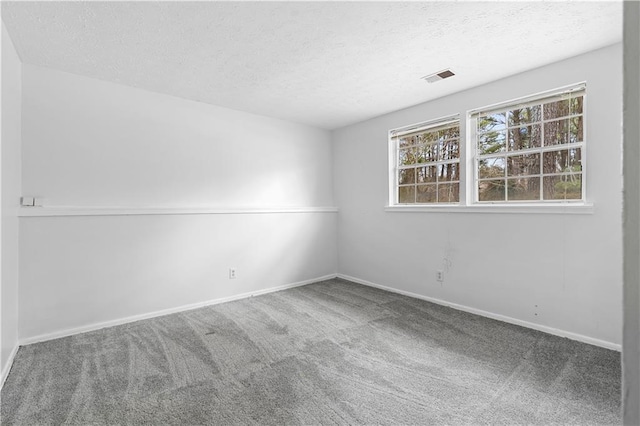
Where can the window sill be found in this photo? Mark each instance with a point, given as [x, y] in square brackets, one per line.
[560, 208]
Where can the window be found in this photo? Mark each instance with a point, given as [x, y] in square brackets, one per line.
[520, 153]
[426, 162]
[530, 151]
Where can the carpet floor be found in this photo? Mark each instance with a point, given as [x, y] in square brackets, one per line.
[332, 352]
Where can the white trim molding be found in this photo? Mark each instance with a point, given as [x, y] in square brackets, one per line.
[97, 326]
[503, 318]
[7, 367]
[54, 211]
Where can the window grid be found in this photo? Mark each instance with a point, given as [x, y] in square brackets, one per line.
[552, 185]
[427, 163]
[526, 151]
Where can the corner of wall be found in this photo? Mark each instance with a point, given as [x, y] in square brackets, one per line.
[631, 210]
[10, 187]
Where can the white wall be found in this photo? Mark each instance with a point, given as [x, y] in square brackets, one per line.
[94, 143]
[631, 342]
[558, 271]
[89, 143]
[78, 271]
[10, 182]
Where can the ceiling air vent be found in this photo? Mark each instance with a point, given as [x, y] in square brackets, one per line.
[441, 75]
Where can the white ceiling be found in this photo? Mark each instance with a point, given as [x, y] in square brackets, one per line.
[327, 64]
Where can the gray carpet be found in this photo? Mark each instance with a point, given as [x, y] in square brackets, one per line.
[327, 353]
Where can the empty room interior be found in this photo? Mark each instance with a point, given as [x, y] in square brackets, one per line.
[318, 213]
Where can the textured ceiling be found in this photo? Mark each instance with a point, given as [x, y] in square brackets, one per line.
[327, 64]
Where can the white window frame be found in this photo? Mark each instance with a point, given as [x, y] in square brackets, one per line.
[468, 166]
[472, 195]
[393, 158]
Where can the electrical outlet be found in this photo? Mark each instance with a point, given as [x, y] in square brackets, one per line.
[232, 273]
[440, 276]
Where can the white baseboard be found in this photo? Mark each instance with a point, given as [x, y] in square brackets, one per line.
[7, 367]
[503, 318]
[134, 318]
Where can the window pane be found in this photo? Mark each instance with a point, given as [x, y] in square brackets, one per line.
[450, 149]
[491, 142]
[577, 105]
[448, 172]
[576, 131]
[427, 174]
[522, 148]
[521, 189]
[564, 187]
[567, 160]
[491, 167]
[406, 194]
[556, 132]
[519, 165]
[406, 176]
[427, 137]
[426, 194]
[427, 153]
[491, 190]
[425, 158]
[417, 139]
[406, 141]
[524, 115]
[450, 133]
[524, 137]
[557, 109]
[448, 193]
[407, 156]
[492, 122]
